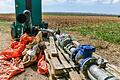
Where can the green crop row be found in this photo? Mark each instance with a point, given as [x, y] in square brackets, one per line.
[108, 31]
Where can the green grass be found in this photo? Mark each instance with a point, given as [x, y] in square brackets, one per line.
[108, 31]
[4, 26]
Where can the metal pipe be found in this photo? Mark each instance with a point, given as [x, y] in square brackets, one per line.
[90, 75]
[72, 50]
[93, 71]
[99, 74]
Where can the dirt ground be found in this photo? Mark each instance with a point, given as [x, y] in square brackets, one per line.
[30, 72]
[4, 41]
[107, 50]
[74, 21]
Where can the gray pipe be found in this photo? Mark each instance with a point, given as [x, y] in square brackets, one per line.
[90, 75]
[94, 72]
[99, 74]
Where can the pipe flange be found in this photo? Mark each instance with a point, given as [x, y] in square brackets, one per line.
[86, 63]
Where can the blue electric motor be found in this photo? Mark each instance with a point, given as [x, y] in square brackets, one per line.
[83, 52]
[83, 55]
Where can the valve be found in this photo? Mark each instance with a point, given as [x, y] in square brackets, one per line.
[64, 40]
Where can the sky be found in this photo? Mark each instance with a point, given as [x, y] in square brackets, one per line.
[83, 6]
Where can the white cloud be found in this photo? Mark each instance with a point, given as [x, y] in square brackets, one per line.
[9, 4]
[46, 2]
[6, 6]
[6, 1]
[107, 1]
[116, 1]
[72, 1]
[84, 1]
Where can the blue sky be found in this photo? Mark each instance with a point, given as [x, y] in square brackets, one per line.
[87, 6]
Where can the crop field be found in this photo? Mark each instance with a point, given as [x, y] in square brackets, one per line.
[101, 31]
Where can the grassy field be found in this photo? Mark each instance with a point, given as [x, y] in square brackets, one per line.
[101, 27]
[108, 31]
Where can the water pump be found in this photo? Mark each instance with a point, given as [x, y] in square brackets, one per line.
[28, 18]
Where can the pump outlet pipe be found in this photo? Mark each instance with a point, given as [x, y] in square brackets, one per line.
[82, 54]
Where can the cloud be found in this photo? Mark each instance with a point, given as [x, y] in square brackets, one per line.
[109, 1]
[6, 1]
[83, 1]
[71, 1]
[6, 6]
[116, 1]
